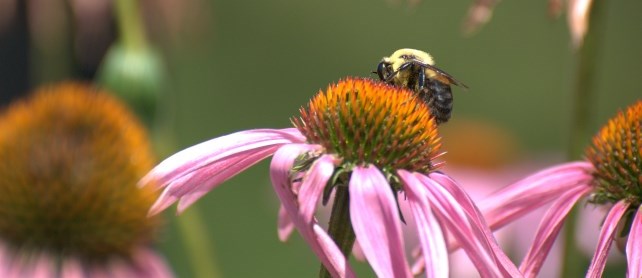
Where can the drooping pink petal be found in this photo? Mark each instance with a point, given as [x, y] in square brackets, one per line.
[98, 272]
[376, 223]
[454, 218]
[219, 171]
[204, 180]
[634, 247]
[193, 185]
[532, 192]
[327, 251]
[43, 267]
[313, 184]
[419, 264]
[217, 150]
[479, 225]
[578, 20]
[606, 239]
[120, 268]
[71, 268]
[435, 253]
[5, 260]
[285, 225]
[357, 252]
[165, 200]
[549, 228]
[151, 264]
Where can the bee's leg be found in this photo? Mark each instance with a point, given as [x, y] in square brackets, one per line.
[402, 67]
[422, 79]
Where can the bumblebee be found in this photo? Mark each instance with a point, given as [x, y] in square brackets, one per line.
[415, 70]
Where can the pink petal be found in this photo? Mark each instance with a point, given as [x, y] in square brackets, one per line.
[165, 200]
[634, 246]
[606, 239]
[43, 267]
[71, 268]
[219, 171]
[193, 185]
[17, 267]
[479, 223]
[285, 224]
[435, 253]
[375, 219]
[534, 191]
[151, 264]
[357, 252]
[5, 260]
[216, 150]
[313, 184]
[419, 263]
[120, 268]
[452, 215]
[327, 251]
[549, 228]
[204, 180]
[578, 20]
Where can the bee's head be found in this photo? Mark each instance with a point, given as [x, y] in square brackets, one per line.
[405, 55]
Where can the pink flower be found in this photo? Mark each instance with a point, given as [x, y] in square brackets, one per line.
[366, 142]
[69, 204]
[611, 176]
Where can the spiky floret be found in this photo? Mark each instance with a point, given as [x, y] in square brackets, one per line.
[70, 157]
[364, 121]
[616, 153]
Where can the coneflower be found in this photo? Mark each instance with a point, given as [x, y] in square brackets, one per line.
[69, 206]
[611, 176]
[363, 142]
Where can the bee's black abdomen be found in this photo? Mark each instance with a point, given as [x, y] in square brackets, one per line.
[440, 100]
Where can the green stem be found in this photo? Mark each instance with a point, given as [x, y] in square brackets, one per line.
[130, 26]
[340, 228]
[197, 243]
[581, 128]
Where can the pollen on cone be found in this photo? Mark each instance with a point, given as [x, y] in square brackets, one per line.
[70, 157]
[366, 121]
[616, 153]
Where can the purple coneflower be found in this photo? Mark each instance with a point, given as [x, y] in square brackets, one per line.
[611, 176]
[362, 142]
[69, 205]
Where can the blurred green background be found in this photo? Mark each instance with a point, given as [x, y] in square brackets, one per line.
[236, 65]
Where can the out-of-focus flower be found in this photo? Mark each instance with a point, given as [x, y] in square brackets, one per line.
[578, 11]
[611, 176]
[69, 205]
[366, 142]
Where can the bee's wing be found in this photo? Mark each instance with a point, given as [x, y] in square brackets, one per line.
[450, 80]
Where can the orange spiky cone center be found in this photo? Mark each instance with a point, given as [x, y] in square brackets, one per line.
[369, 122]
[70, 158]
[616, 153]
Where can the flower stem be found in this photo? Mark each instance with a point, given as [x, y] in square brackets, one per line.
[130, 24]
[198, 244]
[581, 128]
[340, 228]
